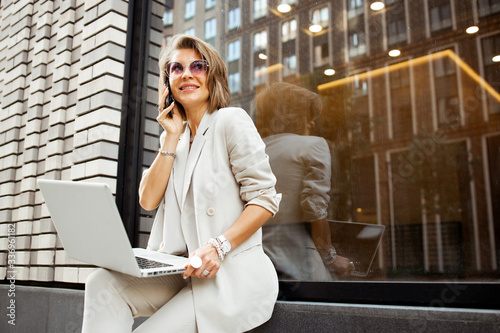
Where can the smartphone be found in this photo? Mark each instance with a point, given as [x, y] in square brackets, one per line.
[170, 99]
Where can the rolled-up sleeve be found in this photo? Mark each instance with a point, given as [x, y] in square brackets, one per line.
[250, 163]
[314, 198]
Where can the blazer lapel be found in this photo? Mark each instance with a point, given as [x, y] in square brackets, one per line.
[194, 154]
[182, 153]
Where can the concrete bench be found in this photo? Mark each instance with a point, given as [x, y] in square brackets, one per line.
[40, 310]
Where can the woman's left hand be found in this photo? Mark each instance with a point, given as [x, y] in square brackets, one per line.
[209, 263]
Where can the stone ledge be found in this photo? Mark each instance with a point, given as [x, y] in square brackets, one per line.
[40, 309]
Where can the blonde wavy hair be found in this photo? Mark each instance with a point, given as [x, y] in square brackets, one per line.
[217, 80]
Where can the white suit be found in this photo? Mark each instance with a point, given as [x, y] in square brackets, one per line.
[226, 169]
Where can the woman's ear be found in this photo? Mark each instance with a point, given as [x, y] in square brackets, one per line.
[309, 127]
[311, 124]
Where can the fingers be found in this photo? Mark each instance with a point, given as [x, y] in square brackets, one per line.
[343, 267]
[163, 112]
[207, 269]
[163, 98]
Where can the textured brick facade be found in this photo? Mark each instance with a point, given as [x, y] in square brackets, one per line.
[61, 81]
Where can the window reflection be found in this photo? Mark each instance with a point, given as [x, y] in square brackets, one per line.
[440, 14]
[413, 141]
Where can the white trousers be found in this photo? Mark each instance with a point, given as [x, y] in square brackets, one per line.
[113, 300]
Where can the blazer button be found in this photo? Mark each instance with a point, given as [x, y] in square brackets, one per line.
[162, 245]
[210, 211]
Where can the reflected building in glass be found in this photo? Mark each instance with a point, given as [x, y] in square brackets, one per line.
[411, 111]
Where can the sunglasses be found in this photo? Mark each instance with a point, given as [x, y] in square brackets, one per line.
[197, 68]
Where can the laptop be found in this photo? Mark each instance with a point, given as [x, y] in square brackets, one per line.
[358, 242]
[91, 230]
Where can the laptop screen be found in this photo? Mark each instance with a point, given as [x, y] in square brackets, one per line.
[358, 242]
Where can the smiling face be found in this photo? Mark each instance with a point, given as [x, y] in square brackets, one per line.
[189, 90]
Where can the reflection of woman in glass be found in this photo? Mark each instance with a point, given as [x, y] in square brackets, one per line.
[298, 239]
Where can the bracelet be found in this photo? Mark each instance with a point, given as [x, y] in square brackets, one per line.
[216, 245]
[166, 153]
[331, 256]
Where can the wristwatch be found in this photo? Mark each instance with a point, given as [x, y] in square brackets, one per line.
[225, 245]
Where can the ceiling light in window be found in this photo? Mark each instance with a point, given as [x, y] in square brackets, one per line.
[262, 56]
[284, 8]
[394, 53]
[377, 5]
[496, 58]
[472, 30]
[315, 28]
[329, 71]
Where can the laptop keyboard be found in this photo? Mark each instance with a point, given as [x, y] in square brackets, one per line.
[149, 263]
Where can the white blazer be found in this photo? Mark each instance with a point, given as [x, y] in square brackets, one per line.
[226, 169]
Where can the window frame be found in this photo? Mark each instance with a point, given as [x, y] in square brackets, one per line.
[422, 294]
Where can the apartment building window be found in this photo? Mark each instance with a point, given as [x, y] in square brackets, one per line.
[168, 17]
[434, 235]
[210, 30]
[401, 108]
[320, 55]
[440, 14]
[488, 7]
[189, 31]
[259, 75]
[234, 51]
[190, 9]
[259, 56]
[233, 57]
[359, 114]
[396, 23]
[260, 41]
[357, 35]
[491, 63]
[259, 9]
[363, 197]
[357, 43]
[354, 4]
[234, 82]
[321, 16]
[446, 92]
[288, 47]
[289, 65]
[209, 4]
[234, 18]
[354, 8]
[289, 30]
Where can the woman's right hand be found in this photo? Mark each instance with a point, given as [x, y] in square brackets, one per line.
[342, 266]
[169, 116]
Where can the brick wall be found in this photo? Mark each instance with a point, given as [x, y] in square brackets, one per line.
[61, 80]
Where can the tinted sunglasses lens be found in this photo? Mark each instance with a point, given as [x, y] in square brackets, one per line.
[198, 67]
[175, 68]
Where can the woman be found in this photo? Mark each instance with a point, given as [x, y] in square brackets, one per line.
[214, 189]
[298, 238]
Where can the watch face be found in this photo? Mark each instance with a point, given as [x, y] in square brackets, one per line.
[226, 247]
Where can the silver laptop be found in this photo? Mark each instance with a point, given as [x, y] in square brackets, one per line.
[358, 242]
[91, 230]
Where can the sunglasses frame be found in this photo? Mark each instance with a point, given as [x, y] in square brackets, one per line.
[188, 66]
